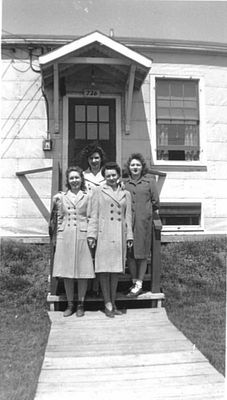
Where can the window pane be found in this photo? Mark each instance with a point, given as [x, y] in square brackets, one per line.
[80, 131]
[104, 132]
[79, 113]
[180, 213]
[176, 89]
[104, 113]
[92, 113]
[190, 90]
[163, 88]
[91, 131]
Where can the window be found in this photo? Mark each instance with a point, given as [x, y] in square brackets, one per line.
[180, 214]
[92, 122]
[177, 120]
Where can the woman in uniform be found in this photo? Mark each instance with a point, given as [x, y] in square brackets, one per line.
[113, 210]
[76, 223]
[145, 200]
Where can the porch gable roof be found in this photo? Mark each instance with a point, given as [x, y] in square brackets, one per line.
[103, 40]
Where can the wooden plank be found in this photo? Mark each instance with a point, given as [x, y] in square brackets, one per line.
[139, 354]
[95, 60]
[173, 358]
[56, 98]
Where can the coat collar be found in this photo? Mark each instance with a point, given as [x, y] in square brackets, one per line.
[143, 178]
[116, 196]
[74, 199]
[95, 179]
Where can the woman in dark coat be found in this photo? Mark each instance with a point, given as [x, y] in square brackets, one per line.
[75, 227]
[145, 200]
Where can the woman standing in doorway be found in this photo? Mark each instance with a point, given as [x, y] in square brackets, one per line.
[95, 158]
[145, 200]
[72, 259]
[113, 210]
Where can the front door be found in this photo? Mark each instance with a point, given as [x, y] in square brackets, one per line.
[91, 120]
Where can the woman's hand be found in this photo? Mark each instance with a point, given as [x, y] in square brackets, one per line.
[91, 242]
[129, 244]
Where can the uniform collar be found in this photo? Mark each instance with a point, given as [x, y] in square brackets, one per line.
[74, 199]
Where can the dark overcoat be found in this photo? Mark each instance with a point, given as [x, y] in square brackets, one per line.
[145, 200]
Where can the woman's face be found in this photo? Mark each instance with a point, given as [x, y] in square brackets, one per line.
[111, 177]
[94, 161]
[135, 168]
[74, 180]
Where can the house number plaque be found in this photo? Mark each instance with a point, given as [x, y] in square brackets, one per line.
[91, 93]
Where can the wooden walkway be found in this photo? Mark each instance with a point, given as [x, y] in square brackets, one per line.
[139, 355]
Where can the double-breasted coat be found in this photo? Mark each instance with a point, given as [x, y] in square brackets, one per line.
[75, 217]
[113, 210]
[145, 200]
[93, 181]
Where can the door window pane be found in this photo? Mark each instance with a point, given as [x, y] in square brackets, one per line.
[79, 113]
[92, 113]
[104, 113]
[104, 132]
[92, 131]
[80, 131]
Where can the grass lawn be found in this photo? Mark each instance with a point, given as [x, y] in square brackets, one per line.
[193, 280]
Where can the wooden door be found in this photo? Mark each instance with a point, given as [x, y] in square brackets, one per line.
[91, 120]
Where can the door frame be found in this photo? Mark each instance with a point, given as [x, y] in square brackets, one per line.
[65, 127]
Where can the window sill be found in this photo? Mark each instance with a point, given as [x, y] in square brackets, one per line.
[179, 166]
[181, 228]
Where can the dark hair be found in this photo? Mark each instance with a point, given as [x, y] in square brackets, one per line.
[139, 157]
[90, 149]
[111, 165]
[80, 171]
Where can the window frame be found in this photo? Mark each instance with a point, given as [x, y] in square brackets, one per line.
[202, 123]
[184, 228]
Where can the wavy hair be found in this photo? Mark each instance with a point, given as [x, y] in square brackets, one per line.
[139, 157]
[111, 165]
[80, 172]
[90, 149]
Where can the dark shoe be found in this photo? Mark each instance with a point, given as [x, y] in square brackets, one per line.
[109, 313]
[117, 312]
[80, 310]
[69, 309]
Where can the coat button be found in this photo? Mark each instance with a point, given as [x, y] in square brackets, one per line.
[119, 212]
[111, 205]
[111, 211]
[111, 218]
[119, 219]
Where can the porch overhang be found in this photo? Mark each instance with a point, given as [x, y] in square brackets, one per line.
[119, 63]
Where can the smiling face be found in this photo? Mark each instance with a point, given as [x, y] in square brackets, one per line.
[94, 161]
[74, 180]
[111, 177]
[135, 168]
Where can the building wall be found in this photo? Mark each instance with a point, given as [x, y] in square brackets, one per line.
[24, 120]
[24, 127]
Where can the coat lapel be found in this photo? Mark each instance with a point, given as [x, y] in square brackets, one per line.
[72, 199]
[115, 196]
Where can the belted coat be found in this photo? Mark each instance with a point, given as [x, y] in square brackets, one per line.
[75, 219]
[145, 200]
[113, 211]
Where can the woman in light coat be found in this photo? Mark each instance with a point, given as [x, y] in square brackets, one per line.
[72, 259]
[113, 211]
[94, 156]
[145, 200]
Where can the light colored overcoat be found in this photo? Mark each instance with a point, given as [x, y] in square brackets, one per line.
[93, 181]
[145, 200]
[113, 210]
[75, 217]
